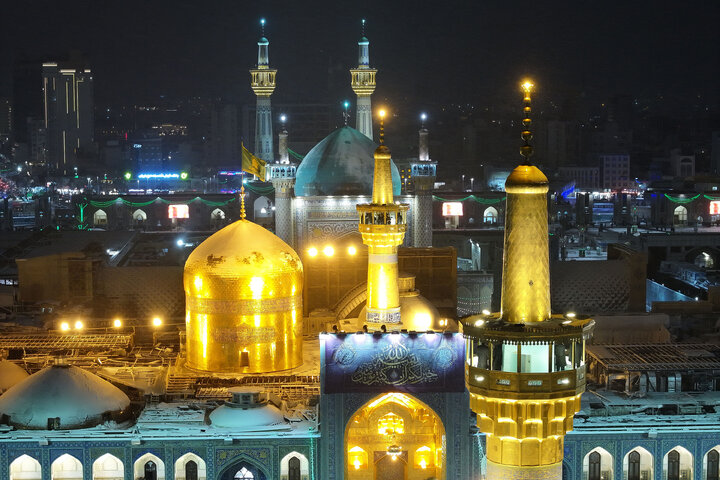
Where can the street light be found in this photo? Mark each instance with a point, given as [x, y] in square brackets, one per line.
[471, 184]
[117, 323]
[157, 321]
[79, 325]
[463, 183]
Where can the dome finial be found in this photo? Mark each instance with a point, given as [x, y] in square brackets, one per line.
[381, 113]
[262, 26]
[242, 202]
[526, 150]
[363, 26]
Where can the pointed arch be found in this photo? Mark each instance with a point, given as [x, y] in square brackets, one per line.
[638, 463]
[598, 465]
[25, 467]
[139, 215]
[490, 216]
[66, 467]
[100, 218]
[680, 215]
[217, 215]
[678, 464]
[148, 463]
[184, 468]
[711, 464]
[294, 466]
[259, 472]
[108, 467]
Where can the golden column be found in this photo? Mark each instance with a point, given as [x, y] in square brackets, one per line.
[525, 368]
[382, 225]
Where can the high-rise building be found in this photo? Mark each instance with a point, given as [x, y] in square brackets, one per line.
[525, 367]
[263, 84]
[363, 84]
[382, 225]
[68, 111]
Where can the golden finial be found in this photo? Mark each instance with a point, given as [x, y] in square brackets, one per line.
[526, 150]
[382, 126]
[242, 202]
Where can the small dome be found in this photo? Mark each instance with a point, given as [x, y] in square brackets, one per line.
[77, 397]
[243, 294]
[10, 374]
[341, 164]
[248, 410]
[363, 41]
[263, 41]
[526, 179]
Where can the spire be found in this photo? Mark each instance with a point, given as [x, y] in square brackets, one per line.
[363, 49]
[242, 201]
[263, 47]
[526, 150]
[382, 177]
[423, 148]
[382, 127]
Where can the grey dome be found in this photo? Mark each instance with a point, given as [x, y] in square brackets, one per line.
[341, 164]
[247, 411]
[10, 374]
[77, 397]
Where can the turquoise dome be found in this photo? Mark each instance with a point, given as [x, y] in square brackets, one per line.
[341, 164]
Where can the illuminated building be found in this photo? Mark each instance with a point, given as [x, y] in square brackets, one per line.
[243, 288]
[382, 225]
[282, 176]
[68, 112]
[263, 84]
[525, 367]
[363, 84]
[422, 174]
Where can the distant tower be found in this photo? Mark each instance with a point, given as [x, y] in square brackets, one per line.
[422, 173]
[525, 367]
[363, 84]
[382, 225]
[282, 176]
[263, 84]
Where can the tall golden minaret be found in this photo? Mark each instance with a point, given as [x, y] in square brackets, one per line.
[382, 225]
[525, 367]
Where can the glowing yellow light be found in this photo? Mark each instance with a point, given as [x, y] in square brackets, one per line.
[256, 287]
[79, 325]
[117, 323]
[328, 251]
[486, 312]
[527, 86]
[566, 322]
[312, 251]
[480, 323]
[570, 314]
[352, 250]
[382, 113]
[357, 464]
[423, 464]
[422, 321]
[198, 282]
[157, 321]
[64, 326]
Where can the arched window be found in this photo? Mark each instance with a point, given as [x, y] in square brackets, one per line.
[673, 471]
[680, 215]
[244, 474]
[150, 470]
[638, 464]
[100, 218]
[490, 217]
[294, 469]
[139, 216]
[678, 464]
[712, 467]
[25, 468]
[594, 470]
[598, 465]
[191, 470]
[634, 466]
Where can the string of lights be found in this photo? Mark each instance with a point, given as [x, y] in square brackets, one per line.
[484, 201]
[108, 203]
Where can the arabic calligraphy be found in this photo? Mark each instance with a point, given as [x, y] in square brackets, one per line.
[394, 365]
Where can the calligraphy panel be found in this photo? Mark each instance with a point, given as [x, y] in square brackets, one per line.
[406, 362]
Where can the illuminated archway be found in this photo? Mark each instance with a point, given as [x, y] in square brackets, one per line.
[294, 466]
[638, 464]
[100, 218]
[25, 467]
[678, 464]
[490, 216]
[66, 467]
[139, 216]
[108, 467]
[190, 467]
[680, 215]
[149, 467]
[395, 433]
[598, 465]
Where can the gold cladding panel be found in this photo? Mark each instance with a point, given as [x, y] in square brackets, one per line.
[526, 269]
[509, 472]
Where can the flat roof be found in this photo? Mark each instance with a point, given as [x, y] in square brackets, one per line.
[657, 356]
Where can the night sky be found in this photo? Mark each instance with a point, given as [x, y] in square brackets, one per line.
[428, 52]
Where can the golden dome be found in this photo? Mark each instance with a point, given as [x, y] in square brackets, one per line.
[243, 291]
[526, 179]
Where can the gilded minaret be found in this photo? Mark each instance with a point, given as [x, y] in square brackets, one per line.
[363, 84]
[382, 225]
[263, 84]
[525, 367]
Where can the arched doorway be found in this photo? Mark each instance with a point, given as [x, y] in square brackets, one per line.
[678, 464]
[394, 436]
[100, 218]
[25, 467]
[294, 466]
[243, 470]
[190, 467]
[66, 467]
[598, 465]
[680, 215]
[139, 217]
[711, 464]
[149, 467]
[638, 464]
[108, 467]
[490, 216]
